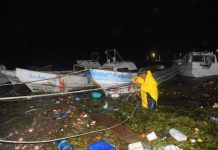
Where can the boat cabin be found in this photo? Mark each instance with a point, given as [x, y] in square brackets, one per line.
[87, 64]
[120, 66]
[204, 58]
[116, 63]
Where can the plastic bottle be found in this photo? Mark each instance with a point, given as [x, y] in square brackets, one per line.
[62, 116]
[64, 145]
[77, 98]
[179, 136]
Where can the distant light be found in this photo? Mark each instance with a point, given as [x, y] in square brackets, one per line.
[217, 50]
[153, 55]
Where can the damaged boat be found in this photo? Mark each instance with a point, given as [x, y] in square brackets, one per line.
[38, 81]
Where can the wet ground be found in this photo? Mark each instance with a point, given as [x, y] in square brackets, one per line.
[184, 103]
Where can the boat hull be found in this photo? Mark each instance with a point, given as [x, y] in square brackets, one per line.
[194, 69]
[3, 79]
[38, 81]
[109, 79]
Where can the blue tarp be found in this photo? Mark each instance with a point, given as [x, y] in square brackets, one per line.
[101, 145]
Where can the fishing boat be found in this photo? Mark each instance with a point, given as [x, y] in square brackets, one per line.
[76, 78]
[115, 75]
[198, 64]
[38, 81]
[11, 74]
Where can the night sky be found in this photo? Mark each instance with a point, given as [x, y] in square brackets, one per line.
[60, 32]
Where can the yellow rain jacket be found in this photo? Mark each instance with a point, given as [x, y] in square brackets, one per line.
[147, 85]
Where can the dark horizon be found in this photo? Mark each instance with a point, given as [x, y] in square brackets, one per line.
[59, 33]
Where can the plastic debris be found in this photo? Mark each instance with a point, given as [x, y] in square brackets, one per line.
[135, 146]
[215, 119]
[138, 146]
[192, 140]
[24, 147]
[172, 147]
[196, 130]
[105, 105]
[200, 140]
[58, 102]
[77, 98]
[64, 145]
[36, 147]
[109, 108]
[93, 123]
[83, 115]
[151, 136]
[96, 95]
[115, 95]
[30, 130]
[215, 105]
[101, 145]
[179, 136]
[61, 116]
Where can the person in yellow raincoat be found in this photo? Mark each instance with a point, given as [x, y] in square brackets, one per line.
[148, 88]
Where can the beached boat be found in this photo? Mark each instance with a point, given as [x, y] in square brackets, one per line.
[80, 78]
[38, 81]
[115, 75]
[198, 64]
[11, 74]
[3, 77]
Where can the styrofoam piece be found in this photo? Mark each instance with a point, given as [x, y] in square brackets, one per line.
[135, 146]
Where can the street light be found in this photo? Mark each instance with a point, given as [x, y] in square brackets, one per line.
[153, 55]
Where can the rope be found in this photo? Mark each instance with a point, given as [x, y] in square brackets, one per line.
[56, 94]
[45, 95]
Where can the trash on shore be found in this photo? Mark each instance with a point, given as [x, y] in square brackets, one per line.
[151, 136]
[101, 145]
[176, 134]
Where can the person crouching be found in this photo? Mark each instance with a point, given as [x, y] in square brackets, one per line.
[148, 88]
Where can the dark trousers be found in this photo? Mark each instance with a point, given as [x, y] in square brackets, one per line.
[151, 102]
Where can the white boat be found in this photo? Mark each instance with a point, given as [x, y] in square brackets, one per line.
[11, 74]
[115, 75]
[38, 81]
[3, 77]
[198, 64]
[79, 80]
[87, 64]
